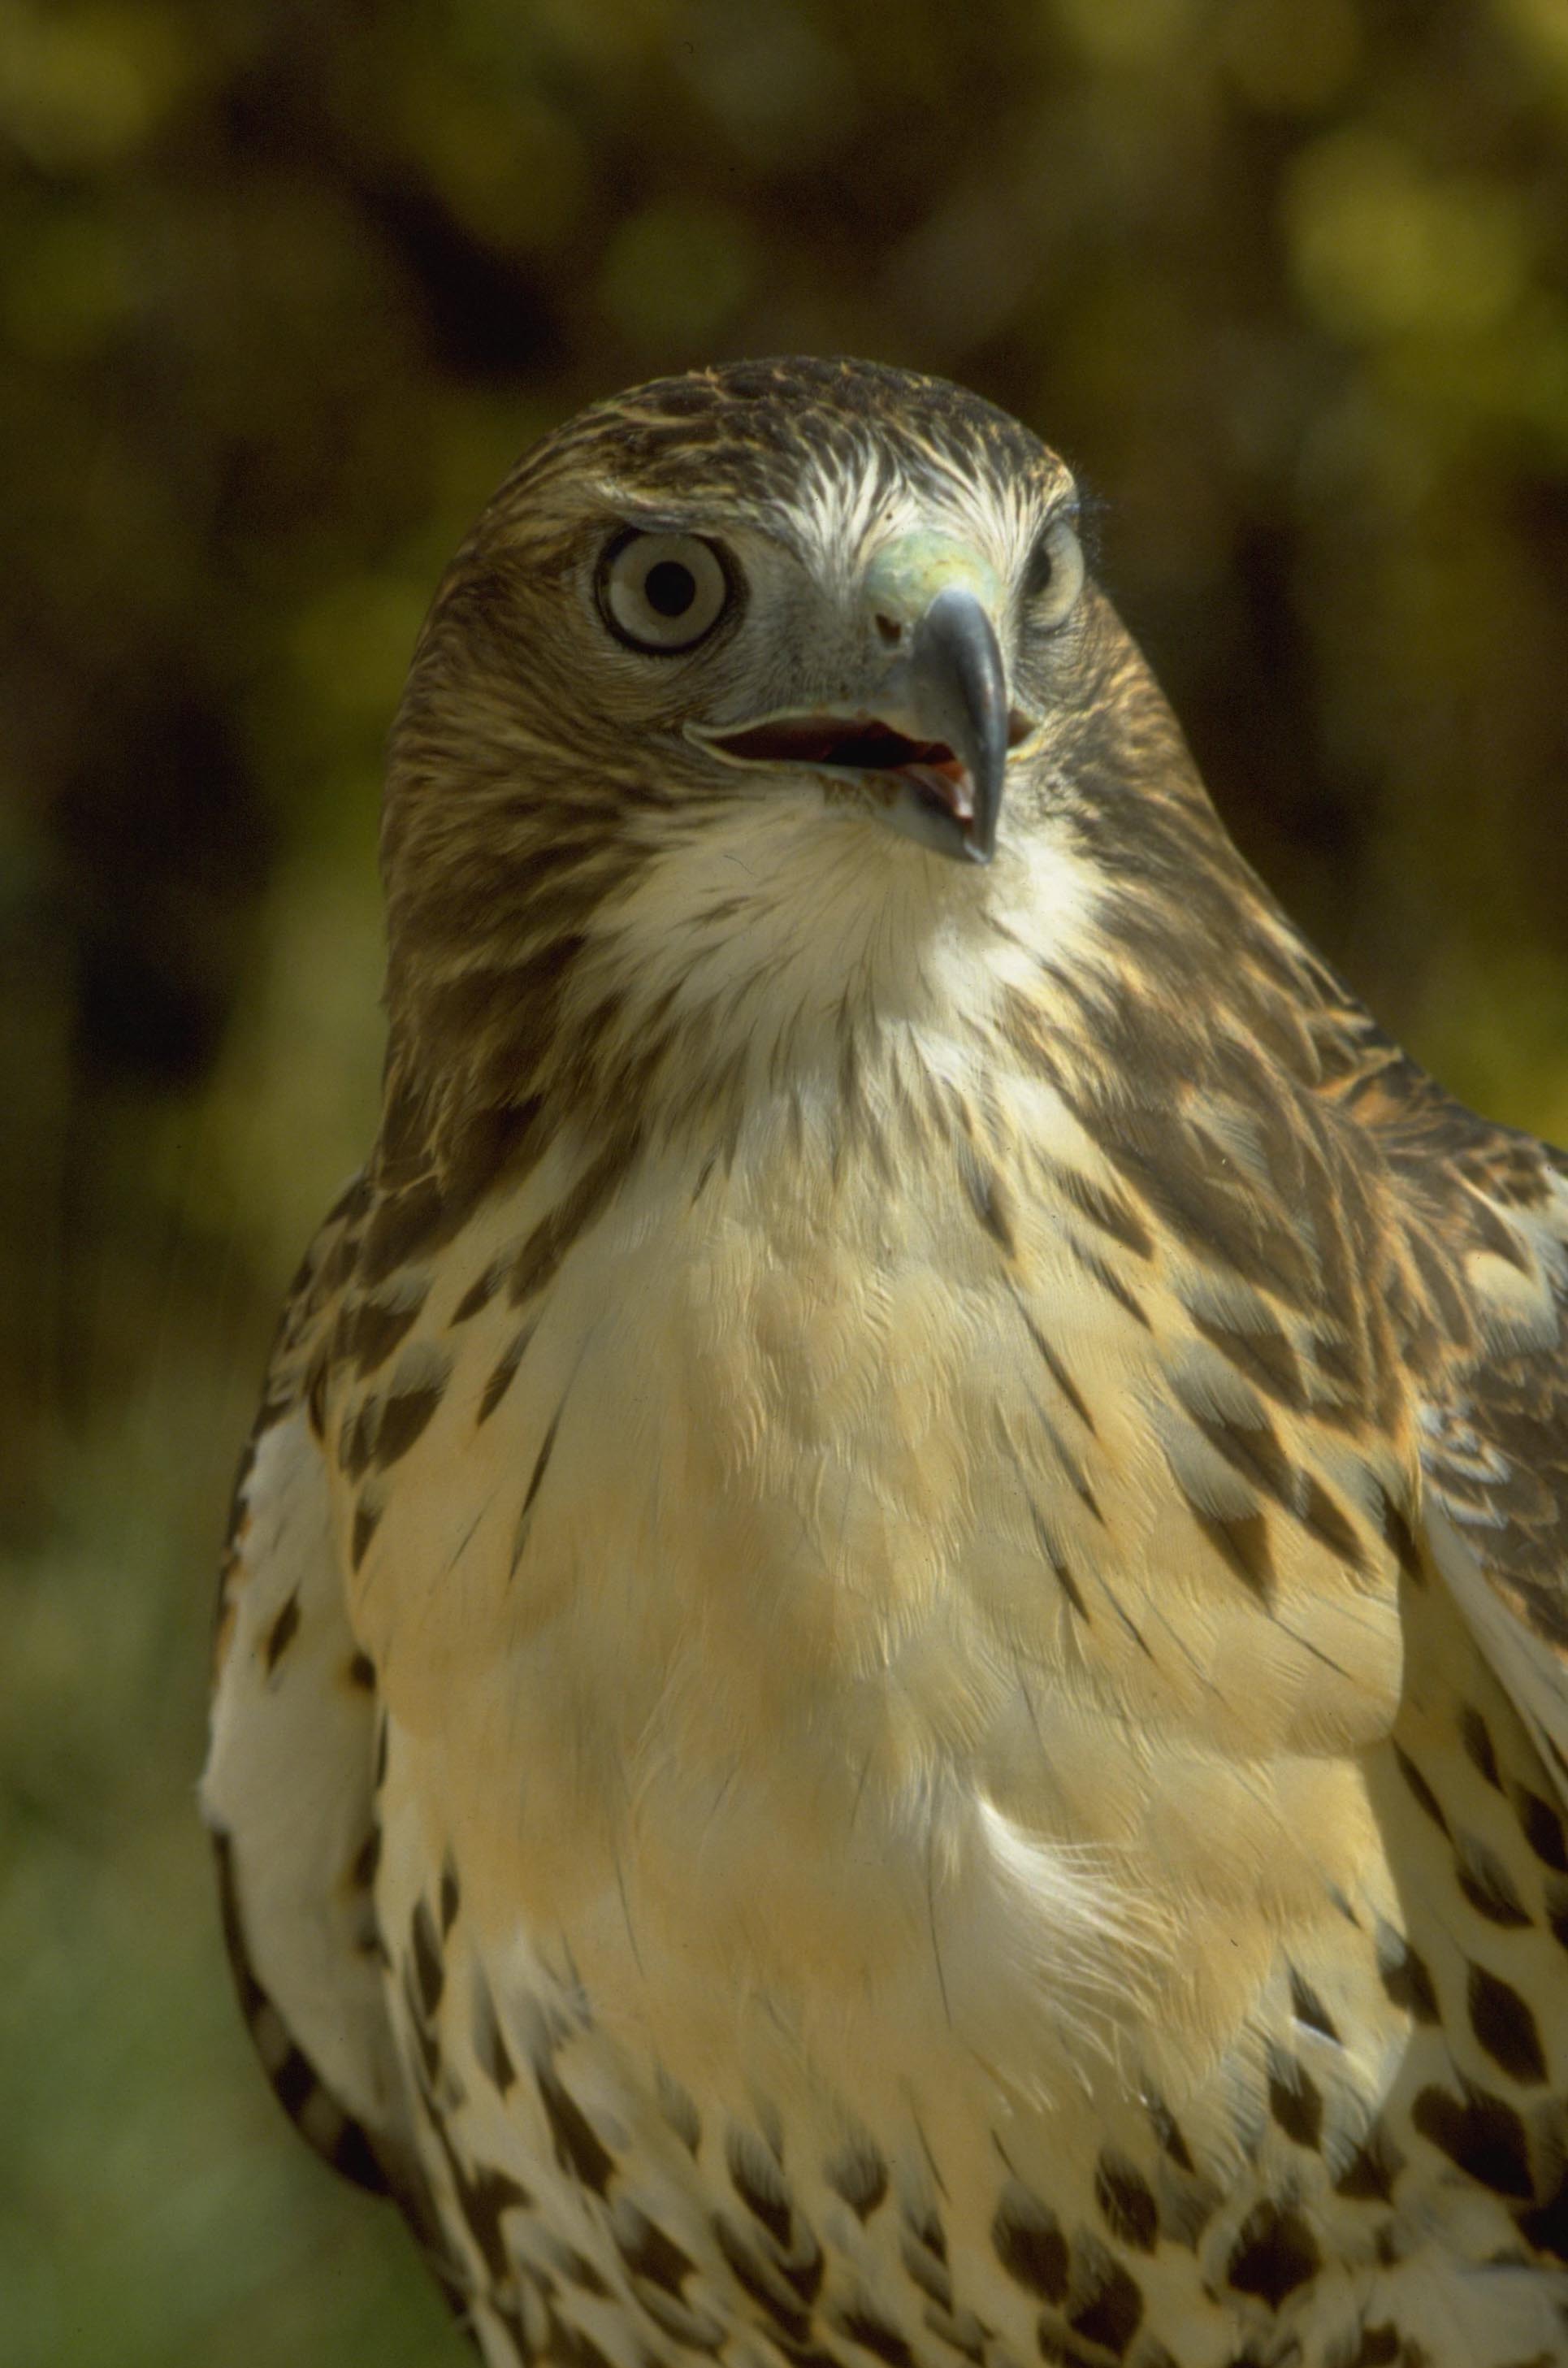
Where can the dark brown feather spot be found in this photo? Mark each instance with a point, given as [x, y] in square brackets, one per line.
[489, 2041]
[859, 2175]
[1505, 2027]
[1275, 2254]
[757, 2278]
[1401, 1537]
[1168, 2129]
[501, 1379]
[1309, 2008]
[1404, 1977]
[1059, 1568]
[377, 1326]
[371, 1329]
[1547, 2227]
[356, 1438]
[427, 2043]
[402, 1223]
[1476, 1736]
[1420, 1788]
[1324, 1520]
[1264, 1357]
[480, 1293]
[1250, 1449]
[1097, 1269]
[1242, 1544]
[1294, 2100]
[1542, 1830]
[1108, 1211]
[874, 2335]
[1369, 2175]
[930, 2232]
[579, 2272]
[283, 1631]
[541, 1461]
[536, 1481]
[429, 1971]
[760, 2184]
[367, 1514]
[925, 2270]
[1126, 2201]
[541, 1254]
[648, 2252]
[988, 1198]
[1480, 2133]
[353, 2157]
[577, 2145]
[1488, 1885]
[1112, 2316]
[484, 2200]
[1028, 2242]
[1057, 1370]
[367, 1861]
[806, 2267]
[405, 1415]
[1338, 1360]
[294, 2082]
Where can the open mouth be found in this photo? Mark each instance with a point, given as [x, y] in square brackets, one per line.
[866, 745]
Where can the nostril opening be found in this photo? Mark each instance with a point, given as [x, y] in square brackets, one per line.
[889, 628]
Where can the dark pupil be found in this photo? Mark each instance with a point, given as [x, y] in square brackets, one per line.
[1042, 566]
[669, 588]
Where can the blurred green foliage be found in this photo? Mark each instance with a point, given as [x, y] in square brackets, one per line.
[282, 291]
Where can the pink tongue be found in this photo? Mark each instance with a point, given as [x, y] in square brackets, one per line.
[951, 784]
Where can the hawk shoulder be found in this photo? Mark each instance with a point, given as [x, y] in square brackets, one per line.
[1487, 1224]
[289, 1791]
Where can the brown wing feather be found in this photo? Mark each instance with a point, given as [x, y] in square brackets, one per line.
[1486, 1213]
[288, 1787]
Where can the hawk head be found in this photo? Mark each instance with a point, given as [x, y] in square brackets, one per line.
[751, 693]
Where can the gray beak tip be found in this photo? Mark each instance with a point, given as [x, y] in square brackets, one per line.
[964, 685]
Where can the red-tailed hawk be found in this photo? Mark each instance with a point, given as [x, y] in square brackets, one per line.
[891, 1677]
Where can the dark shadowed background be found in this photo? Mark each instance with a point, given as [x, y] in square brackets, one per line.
[283, 288]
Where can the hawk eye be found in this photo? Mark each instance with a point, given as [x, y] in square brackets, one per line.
[1055, 576]
[662, 591]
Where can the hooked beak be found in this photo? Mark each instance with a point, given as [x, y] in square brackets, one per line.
[959, 687]
[934, 748]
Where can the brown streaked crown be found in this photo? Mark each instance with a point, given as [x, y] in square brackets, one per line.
[753, 424]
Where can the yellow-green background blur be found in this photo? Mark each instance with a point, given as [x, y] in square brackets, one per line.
[284, 285]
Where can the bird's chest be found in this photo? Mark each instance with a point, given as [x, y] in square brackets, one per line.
[775, 1484]
[860, 1819]
[795, 1552]
[715, 1598]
